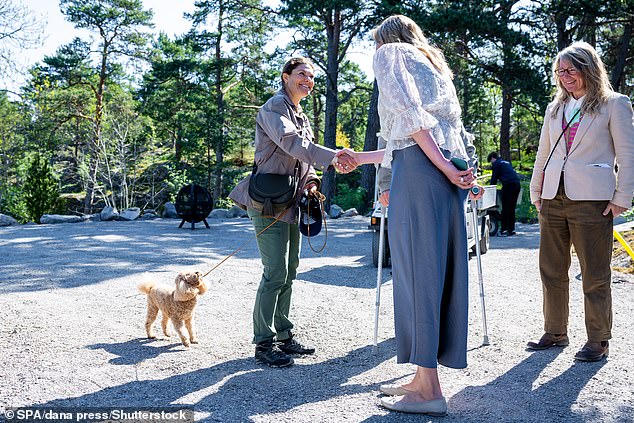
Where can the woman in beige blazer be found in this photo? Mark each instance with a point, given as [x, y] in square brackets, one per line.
[583, 178]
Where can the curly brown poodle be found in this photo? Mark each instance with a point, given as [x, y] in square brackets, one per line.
[176, 304]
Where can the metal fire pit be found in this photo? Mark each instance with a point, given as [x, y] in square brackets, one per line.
[193, 204]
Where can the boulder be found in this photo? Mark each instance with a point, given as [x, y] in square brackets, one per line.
[60, 218]
[219, 214]
[169, 211]
[237, 211]
[350, 212]
[6, 220]
[149, 214]
[95, 217]
[109, 213]
[335, 212]
[130, 214]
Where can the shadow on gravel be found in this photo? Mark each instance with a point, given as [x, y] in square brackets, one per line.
[353, 277]
[531, 400]
[527, 238]
[46, 257]
[135, 351]
[232, 391]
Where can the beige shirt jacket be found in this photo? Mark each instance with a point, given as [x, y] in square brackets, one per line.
[282, 136]
[602, 141]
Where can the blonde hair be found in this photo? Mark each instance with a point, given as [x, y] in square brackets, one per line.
[401, 29]
[585, 59]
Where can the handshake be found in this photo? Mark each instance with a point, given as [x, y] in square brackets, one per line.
[346, 161]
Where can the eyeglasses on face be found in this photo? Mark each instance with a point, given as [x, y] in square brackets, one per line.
[569, 71]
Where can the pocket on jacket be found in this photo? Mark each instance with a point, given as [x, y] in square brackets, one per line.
[587, 182]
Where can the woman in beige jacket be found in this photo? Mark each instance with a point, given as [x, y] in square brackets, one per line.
[582, 179]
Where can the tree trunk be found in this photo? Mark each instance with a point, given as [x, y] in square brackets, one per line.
[219, 121]
[621, 58]
[563, 36]
[368, 173]
[94, 170]
[505, 125]
[316, 120]
[333, 31]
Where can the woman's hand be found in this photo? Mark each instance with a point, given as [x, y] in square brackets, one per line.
[346, 160]
[384, 198]
[616, 210]
[311, 187]
[462, 178]
[478, 195]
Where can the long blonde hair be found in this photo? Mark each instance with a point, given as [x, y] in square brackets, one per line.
[401, 29]
[592, 70]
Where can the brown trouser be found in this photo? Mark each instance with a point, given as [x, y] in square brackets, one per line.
[581, 223]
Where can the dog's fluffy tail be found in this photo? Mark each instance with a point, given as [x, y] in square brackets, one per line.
[146, 286]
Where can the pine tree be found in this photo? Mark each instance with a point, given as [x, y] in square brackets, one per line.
[41, 190]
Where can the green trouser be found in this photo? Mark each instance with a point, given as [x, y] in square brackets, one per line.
[279, 249]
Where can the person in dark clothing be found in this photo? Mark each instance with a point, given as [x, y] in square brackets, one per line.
[503, 171]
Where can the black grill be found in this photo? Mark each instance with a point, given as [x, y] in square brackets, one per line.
[193, 204]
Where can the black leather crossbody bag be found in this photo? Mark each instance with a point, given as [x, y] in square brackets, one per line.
[272, 193]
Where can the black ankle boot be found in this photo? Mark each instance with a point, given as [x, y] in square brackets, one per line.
[269, 354]
[291, 346]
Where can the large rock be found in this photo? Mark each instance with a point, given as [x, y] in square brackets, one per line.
[130, 214]
[335, 212]
[60, 218]
[7, 220]
[237, 211]
[219, 214]
[149, 214]
[109, 213]
[169, 211]
[350, 212]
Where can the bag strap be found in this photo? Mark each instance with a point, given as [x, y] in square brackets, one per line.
[560, 135]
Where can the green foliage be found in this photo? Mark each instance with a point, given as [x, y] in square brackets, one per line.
[176, 179]
[12, 203]
[224, 203]
[41, 192]
[629, 215]
[525, 211]
[348, 197]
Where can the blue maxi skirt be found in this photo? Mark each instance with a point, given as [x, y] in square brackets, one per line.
[428, 243]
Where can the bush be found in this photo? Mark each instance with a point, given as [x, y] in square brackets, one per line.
[525, 211]
[12, 203]
[347, 197]
[41, 190]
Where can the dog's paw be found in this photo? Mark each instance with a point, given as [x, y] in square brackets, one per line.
[186, 344]
[194, 341]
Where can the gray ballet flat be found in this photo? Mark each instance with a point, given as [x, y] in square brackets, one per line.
[436, 407]
[394, 390]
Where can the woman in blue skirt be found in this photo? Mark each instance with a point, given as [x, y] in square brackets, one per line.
[420, 119]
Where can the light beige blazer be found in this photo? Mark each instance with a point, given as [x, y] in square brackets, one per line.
[602, 141]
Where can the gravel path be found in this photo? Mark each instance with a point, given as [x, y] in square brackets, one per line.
[72, 331]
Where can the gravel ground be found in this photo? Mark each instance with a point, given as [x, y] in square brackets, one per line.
[72, 331]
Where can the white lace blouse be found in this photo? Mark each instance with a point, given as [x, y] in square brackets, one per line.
[414, 95]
